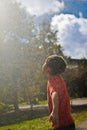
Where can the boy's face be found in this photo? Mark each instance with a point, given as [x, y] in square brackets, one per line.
[47, 70]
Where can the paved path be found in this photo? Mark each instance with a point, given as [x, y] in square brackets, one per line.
[34, 106]
[74, 102]
[79, 102]
[82, 126]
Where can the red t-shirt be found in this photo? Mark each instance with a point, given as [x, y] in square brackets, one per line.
[57, 84]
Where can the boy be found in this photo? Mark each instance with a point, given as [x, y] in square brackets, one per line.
[58, 98]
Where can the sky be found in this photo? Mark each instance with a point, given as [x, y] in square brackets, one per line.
[69, 17]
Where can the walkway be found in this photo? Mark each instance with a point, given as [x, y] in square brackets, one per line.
[79, 102]
[82, 126]
[74, 102]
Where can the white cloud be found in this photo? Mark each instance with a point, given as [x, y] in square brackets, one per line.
[39, 7]
[72, 32]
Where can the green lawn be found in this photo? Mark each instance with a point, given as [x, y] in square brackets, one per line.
[35, 124]
[43, 102]
[42, 123]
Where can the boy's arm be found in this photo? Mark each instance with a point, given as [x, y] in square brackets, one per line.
[54, 114]
[55, 102]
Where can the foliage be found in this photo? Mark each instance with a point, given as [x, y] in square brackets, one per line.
[76, 78]
[13, 23]
[23, 49]
[5, 107]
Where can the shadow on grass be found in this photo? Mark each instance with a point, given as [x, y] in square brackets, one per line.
[21, 115]
[79, 108]
[26, 114]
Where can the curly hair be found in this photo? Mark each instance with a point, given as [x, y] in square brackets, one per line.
[56, 63]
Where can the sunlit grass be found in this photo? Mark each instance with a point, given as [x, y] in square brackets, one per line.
[35, 124]
[80, 116]
[39, 102]
[43, 102]
[43, 123]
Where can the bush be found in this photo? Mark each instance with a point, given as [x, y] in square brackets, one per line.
[5, 107]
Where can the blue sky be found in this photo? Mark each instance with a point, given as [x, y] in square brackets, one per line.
[69, 17]
[75, 7]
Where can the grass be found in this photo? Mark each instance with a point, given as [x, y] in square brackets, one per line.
[39, 102]
[43, 102]
[80, 115]
[42, 123]
[35, 124]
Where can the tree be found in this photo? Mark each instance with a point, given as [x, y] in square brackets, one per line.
[15, 26]
[76, 77]
[46, 44]
[23, 49]
[47, 40]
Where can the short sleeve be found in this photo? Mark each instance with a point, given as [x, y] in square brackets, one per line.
[52, 86]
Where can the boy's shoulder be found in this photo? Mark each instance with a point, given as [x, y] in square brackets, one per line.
[55, 78]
